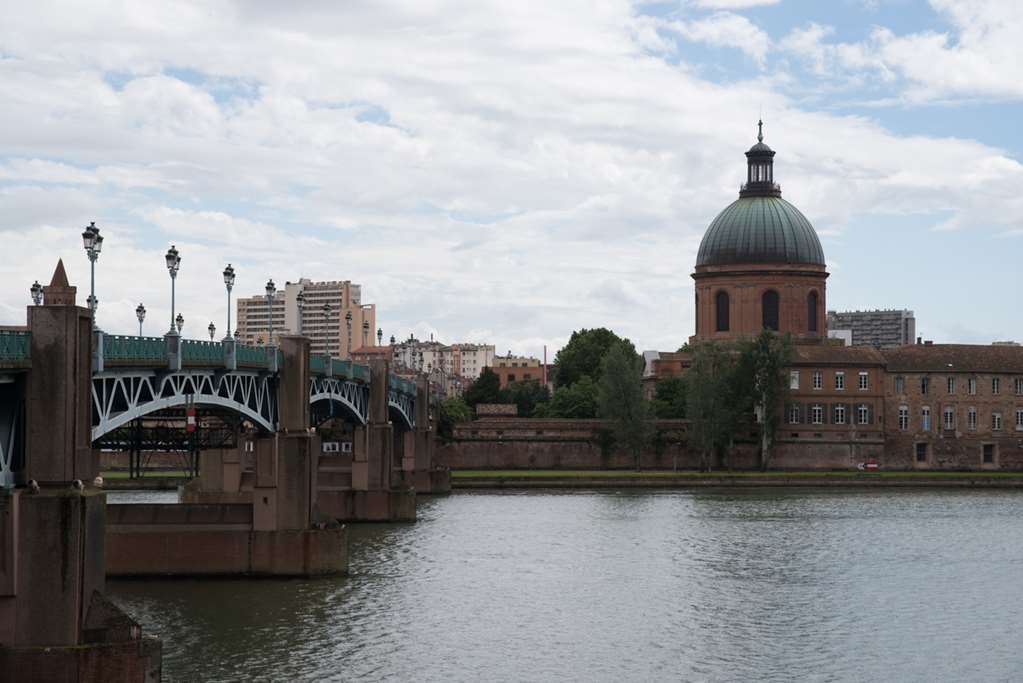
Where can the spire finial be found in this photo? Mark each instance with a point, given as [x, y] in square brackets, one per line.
[760, 130]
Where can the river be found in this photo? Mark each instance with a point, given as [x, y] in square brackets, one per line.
[769, 584]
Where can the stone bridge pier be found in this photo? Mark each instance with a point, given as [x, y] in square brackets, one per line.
[375, 494]
[56, 623]
[268, 525]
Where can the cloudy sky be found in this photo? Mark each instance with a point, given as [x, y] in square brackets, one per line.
[510, 171]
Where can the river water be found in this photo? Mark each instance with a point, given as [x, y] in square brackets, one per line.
[710, 585]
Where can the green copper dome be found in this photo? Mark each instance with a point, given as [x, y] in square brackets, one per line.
[760, 229]
[760, 226]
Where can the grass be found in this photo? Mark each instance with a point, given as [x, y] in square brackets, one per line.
[685, 474]
[150, 474]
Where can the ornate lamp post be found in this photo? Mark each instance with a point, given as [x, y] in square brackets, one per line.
[380, 336]
[212, 330]
[300, 301]
[93, 243]
[392, 340]
[37, 292]
[365, 333]
[326, 330]
[348, 321]
[180, 320]
[173, 264]
[271, 289]
[140, 313]
[229, 283]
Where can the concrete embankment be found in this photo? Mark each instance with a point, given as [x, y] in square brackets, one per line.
[479, 479]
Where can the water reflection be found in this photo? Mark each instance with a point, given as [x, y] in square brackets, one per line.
[724, 585]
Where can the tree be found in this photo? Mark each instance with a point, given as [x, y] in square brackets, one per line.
[582, 354]
[764, 366]
[486, 389]
[527, 395]
[621, 401]
[713, 406]
[670, 398]
[452, 411]
[578, 401]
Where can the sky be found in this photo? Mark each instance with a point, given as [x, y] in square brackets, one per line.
[509, 172]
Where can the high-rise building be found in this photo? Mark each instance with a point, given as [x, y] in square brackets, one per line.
[885, 328]
[323, 316]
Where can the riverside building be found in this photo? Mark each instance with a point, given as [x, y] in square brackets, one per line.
[927, 406]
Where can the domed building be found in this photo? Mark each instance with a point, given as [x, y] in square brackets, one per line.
[760, 264]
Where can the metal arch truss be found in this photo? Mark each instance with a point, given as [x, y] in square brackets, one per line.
[118, 397]
[353, 396]
[10, 417]
[403, 404]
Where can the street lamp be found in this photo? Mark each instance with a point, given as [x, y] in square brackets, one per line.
[140, 313]
[93, 243]
[392, 340]
[180, 320]
[300, 300]
[37, 293]
[365, 333]
[212, 330]
[173, 264]
[270, 290]
[348, 321]
[229, 283]
[380, 337]
[326, 330]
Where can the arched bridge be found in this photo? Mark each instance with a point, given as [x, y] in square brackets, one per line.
[137, 376]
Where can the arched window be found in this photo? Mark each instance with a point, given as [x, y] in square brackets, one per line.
[811, 312]
[721, 310]
[769, 303]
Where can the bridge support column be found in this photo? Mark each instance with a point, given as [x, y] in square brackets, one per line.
[376, 496]
[55, 622]
[427, 477]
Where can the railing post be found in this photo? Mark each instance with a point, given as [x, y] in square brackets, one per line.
[97, 350]
[330, 365]
[271, 361]
[230, 354]
[173, 342]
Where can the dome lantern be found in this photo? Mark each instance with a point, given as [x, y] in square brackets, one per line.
[760, 169]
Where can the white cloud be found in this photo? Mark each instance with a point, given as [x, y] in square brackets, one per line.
[979, 58]
[726, 29]
[522, 171]
[733, 4]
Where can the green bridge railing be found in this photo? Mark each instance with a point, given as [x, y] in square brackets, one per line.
[15, 346]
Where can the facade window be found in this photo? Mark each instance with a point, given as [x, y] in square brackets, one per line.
[987, 454]
[840, 414]
[863, 414]
[951, 381]
[511, 377]
[1019, 419]
[793, 379]
[1019, 386]
[925, 418]
[811, 312]
[721, 311]
[818, 414]
[840, 381]
[794, 414]
[971, 419]
[864, 381]
[925, 385]
[950, 418]
[971, 386]
[769, 306]
[921, 452]
[900, 385]
[996, 422]
[903, 418]
[818, 379]
[996, 385]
